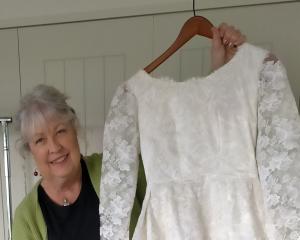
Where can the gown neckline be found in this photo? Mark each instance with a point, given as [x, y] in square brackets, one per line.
[197, 79]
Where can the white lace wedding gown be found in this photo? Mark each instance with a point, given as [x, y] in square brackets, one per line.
[221, 155]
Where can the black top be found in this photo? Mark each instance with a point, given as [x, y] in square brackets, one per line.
[78, 221]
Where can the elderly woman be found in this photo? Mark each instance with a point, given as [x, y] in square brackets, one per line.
[64, 203]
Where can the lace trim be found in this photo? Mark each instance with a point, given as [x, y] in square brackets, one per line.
[119, 167]
[278, 152]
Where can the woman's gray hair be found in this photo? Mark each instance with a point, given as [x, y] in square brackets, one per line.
[36, 107]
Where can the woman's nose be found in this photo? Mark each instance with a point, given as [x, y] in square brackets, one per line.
[54, 145]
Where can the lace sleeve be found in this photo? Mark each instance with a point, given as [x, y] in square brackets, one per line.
[119, 167]
[278, 152]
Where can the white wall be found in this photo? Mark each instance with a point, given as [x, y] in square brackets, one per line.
[31, 12]
[9, 97]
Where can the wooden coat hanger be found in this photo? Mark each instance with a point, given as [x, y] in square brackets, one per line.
[196, 25]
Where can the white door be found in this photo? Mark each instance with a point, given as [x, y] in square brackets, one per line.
[87, 61]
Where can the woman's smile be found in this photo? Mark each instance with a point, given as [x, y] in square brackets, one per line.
[60, 159]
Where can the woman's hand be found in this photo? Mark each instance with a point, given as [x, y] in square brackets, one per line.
[225, 41]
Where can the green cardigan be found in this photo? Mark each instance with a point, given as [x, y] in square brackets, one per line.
[29, 223]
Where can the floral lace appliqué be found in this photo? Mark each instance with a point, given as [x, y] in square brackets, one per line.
[119, 167]
[278, 152]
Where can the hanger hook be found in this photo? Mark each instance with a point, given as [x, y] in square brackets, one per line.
[194, 10]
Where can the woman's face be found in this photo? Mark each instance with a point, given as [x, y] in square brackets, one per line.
[55, 148]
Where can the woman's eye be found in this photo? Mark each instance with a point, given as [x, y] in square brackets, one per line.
[39, 140]
[61, 131]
